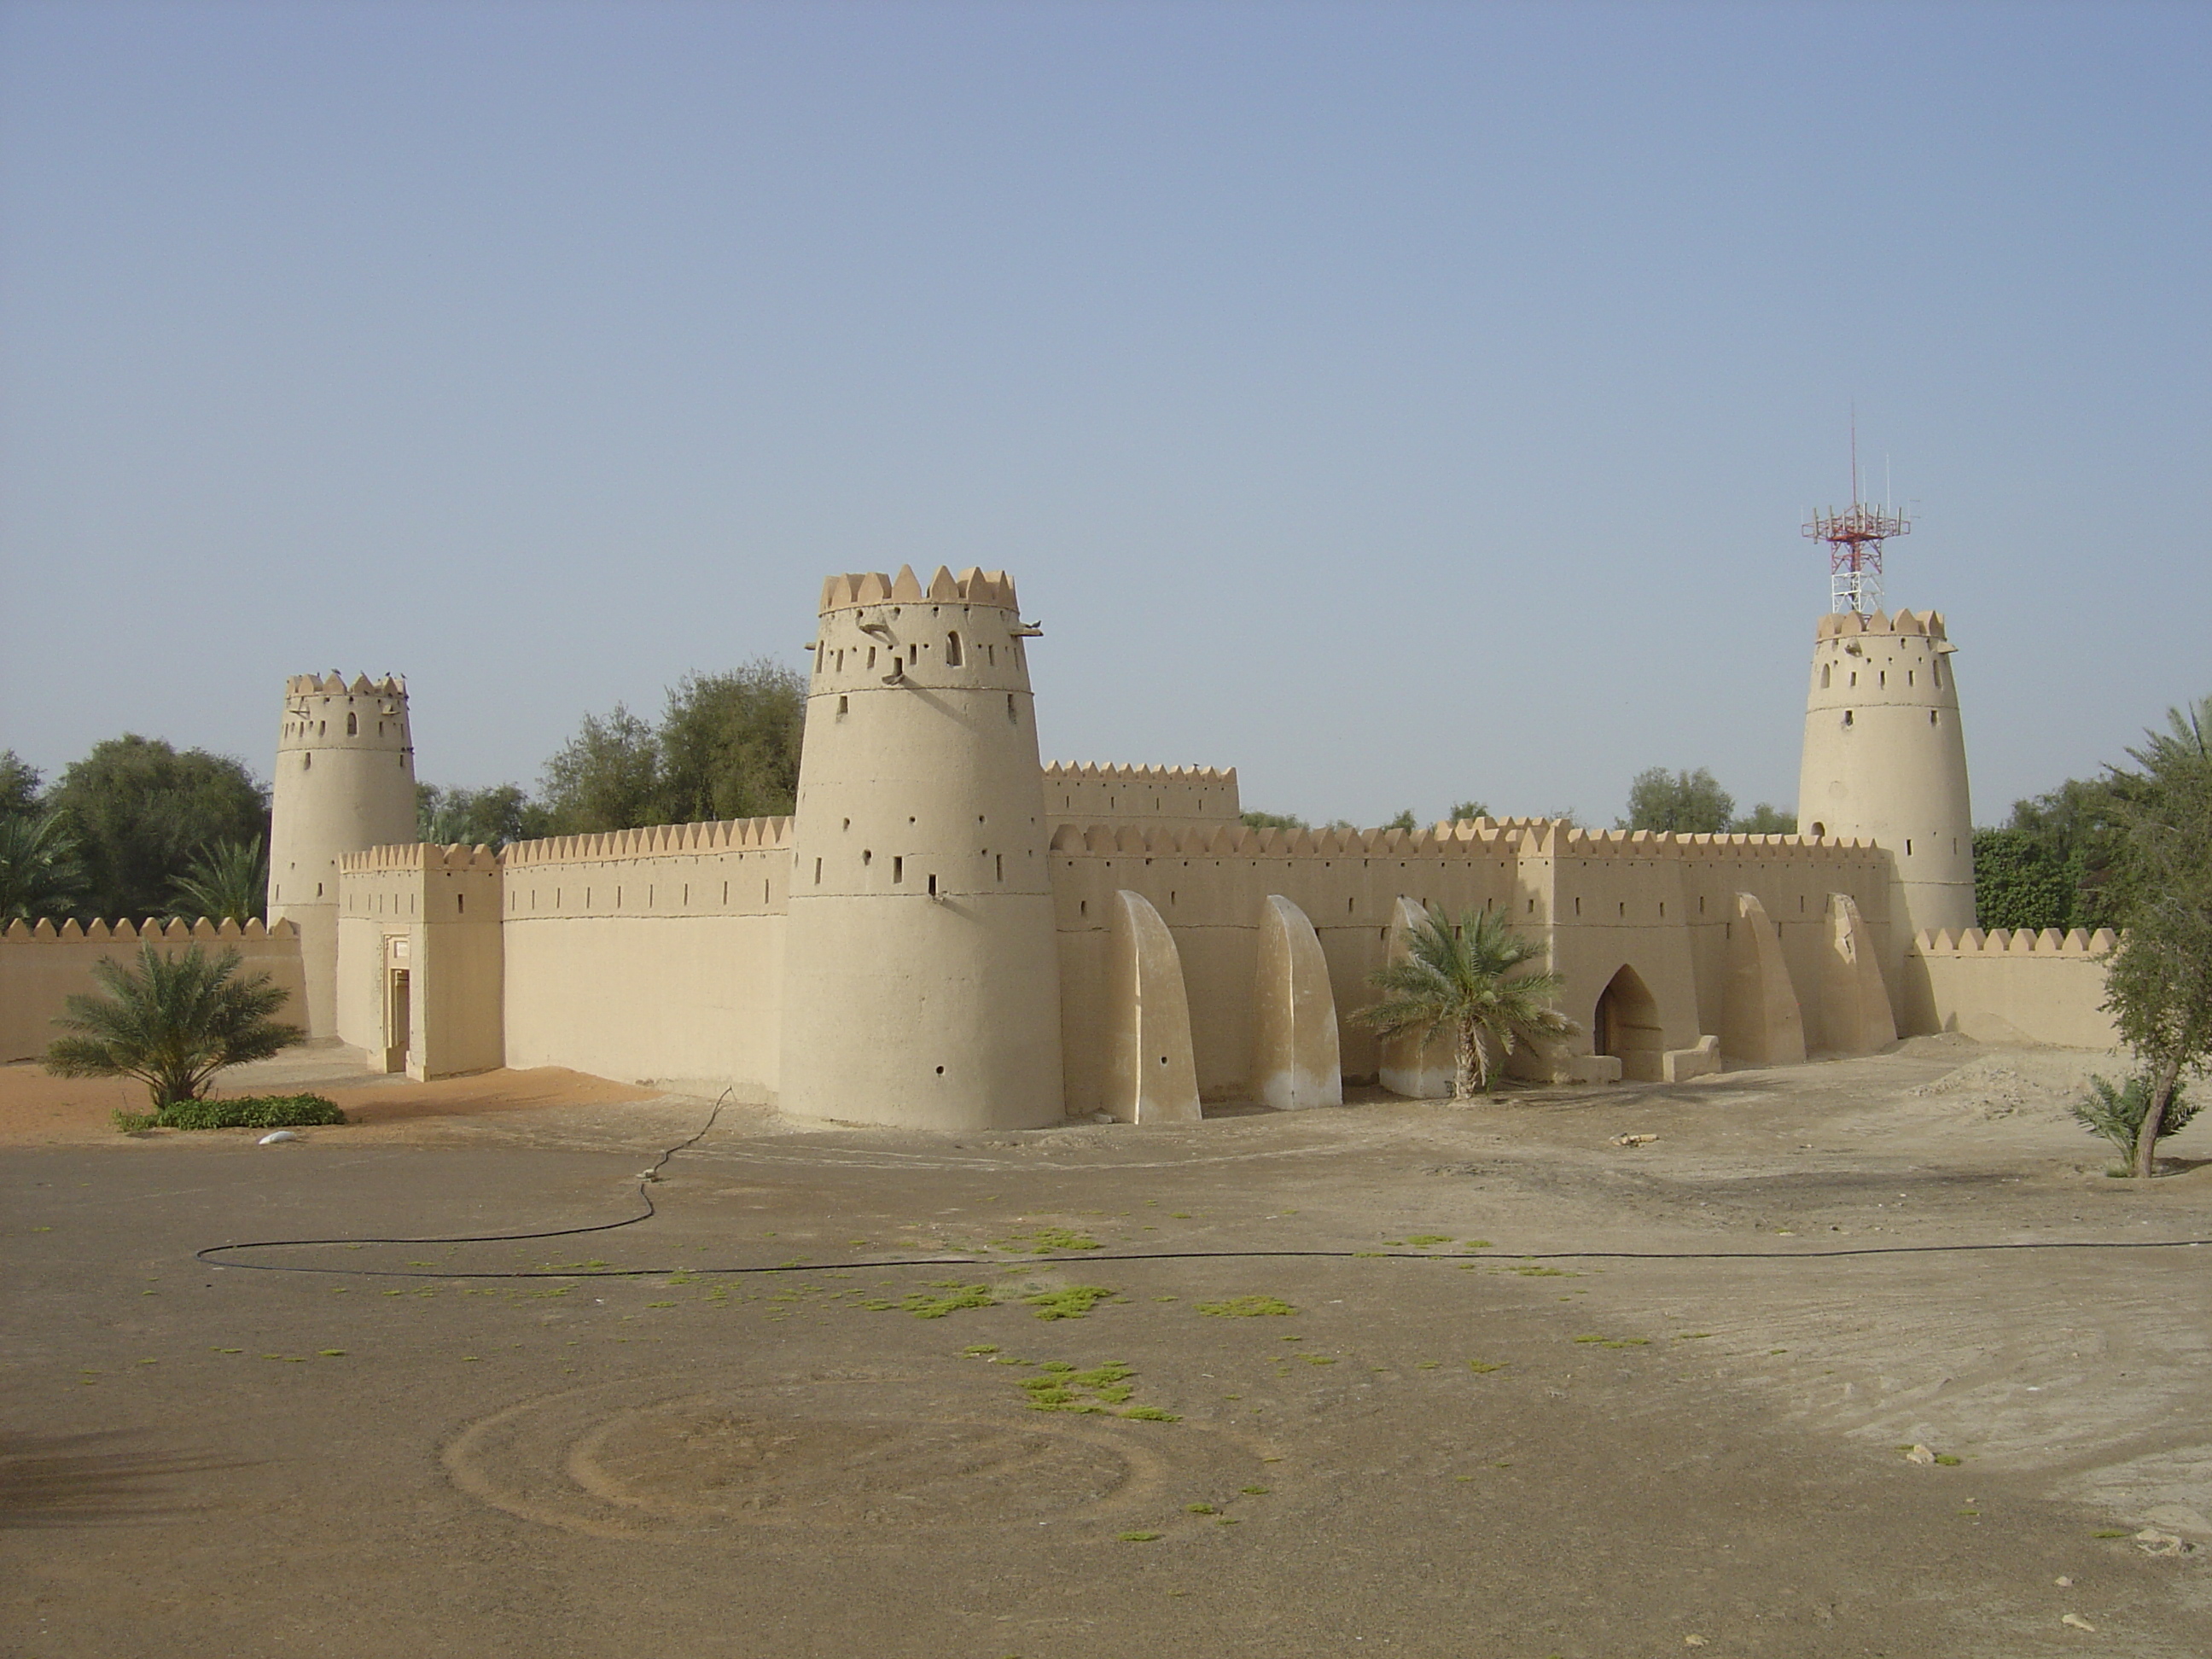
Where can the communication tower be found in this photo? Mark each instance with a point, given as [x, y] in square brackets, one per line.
[1855, 538]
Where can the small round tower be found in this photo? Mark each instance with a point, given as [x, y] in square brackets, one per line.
[921, 983]
[1885, 759]
[345, 780]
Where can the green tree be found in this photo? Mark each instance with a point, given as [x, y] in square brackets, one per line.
[1765, 819]
[41, 873]
[172, 1022]
[1272, 821]
[1460, 812]
[142, 813]
[228, 881]
[1403, 821]
[729, 744]
[2159, 983]
[19, 785]
[1685, 803]
[1467, 978]
[2052, 865]
[728, 747]
[605, 777]
[2019, 883]
[493, 818]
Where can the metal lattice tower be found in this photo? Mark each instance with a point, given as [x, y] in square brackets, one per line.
[1855, 539]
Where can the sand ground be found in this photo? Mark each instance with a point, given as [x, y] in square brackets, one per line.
[1493, 1451]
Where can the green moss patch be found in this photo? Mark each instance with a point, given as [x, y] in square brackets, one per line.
[922, 1305]
[1246, 1307]
[1075, 1302]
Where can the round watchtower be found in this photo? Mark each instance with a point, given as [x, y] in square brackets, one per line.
[1885, 759]
[345, 780]
[921, 983]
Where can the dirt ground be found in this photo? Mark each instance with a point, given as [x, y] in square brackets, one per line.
[1406, 1377]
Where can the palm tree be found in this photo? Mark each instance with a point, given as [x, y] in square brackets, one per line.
[229, 882]
[1465, 979]
[40, 874]
[173, 1022]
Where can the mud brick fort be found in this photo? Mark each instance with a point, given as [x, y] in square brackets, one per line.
[950, 934]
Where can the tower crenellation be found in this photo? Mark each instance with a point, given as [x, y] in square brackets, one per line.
[344, 782]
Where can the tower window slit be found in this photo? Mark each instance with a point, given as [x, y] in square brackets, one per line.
[952, 651]
[818, 872]
[932, 887]
[1011, 715]
[898, 869]
[1001, 860]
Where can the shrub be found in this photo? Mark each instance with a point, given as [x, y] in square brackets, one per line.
[247, 1112]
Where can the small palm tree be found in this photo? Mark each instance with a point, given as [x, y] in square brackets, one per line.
[228, 882]
[171, 1022]
[40, 874]
[1465, 979]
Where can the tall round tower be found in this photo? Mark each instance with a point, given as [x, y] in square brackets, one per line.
[345, 780]
[1885, 759]
[921, 979]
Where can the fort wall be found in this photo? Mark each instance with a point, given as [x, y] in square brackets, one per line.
[1647, 918]
[652, 955]
[42, 966]
[2012, 986]
[1161, 797]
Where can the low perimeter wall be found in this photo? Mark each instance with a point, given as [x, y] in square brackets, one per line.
[42, 967]
[2020, 987]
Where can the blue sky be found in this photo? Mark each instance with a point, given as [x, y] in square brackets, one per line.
[1400, 403]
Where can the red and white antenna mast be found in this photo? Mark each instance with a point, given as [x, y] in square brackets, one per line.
[1855, 539]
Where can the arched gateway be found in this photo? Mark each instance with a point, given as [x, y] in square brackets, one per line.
[1626, 1025]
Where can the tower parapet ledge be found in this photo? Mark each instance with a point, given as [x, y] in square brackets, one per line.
[1837, 624]
[970, 586]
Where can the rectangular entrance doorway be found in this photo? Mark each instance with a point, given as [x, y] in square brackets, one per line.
[399, 1017]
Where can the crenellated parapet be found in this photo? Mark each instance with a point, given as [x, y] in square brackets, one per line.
[175, 930]
[1464, 839]
[1136, 776]
[2017, 942]
[656, 840]
[970, 586]
[335, 685]
[1570, 841]
[418, 855]
[1845, 625]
